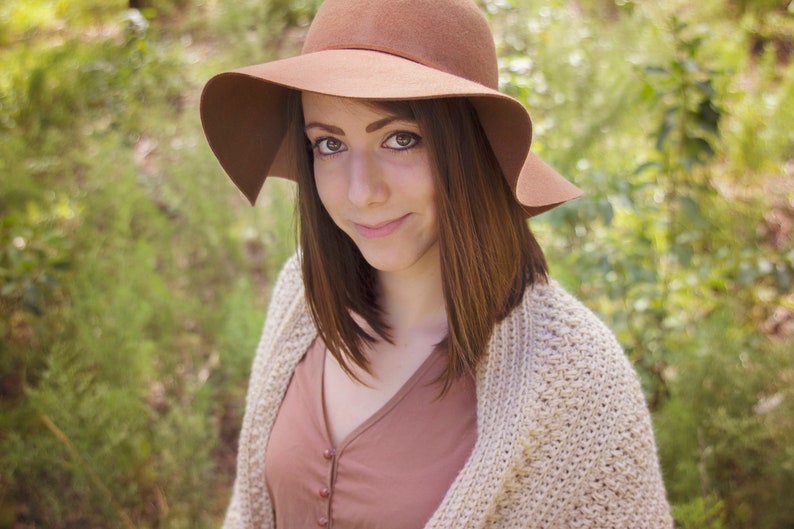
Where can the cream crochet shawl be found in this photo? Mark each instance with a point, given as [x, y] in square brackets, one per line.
[564, 434]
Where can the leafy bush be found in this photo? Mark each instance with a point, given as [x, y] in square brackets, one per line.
[123, 288]
[671, 244]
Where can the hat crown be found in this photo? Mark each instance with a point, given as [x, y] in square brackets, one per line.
[449, 35]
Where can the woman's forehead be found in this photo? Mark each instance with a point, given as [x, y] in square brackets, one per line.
[317, 106]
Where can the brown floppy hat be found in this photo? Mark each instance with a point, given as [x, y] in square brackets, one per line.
[377, 50]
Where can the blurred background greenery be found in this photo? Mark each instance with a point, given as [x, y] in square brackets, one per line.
[133, 277]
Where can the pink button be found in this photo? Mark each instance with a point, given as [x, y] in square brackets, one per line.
[328, 453]
[324, 492]
[322, 521]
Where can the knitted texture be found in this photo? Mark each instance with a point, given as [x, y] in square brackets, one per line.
[564, 437]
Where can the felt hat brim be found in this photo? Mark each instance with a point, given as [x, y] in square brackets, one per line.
[243, 113]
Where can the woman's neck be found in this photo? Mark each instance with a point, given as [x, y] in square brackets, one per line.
[414, 302]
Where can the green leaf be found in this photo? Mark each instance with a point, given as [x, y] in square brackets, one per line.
[606, 210]
[683, 254]
[707, 116]
[654, 70]
[783, 279]
[668, 123]
[646, 166]
[745, 273]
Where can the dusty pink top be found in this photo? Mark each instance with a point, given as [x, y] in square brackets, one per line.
[391, 472]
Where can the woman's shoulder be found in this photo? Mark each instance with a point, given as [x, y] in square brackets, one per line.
[290, 274]
[287, 298]
[585, 437]
[571, 345]
[565, 320]
[288, 284]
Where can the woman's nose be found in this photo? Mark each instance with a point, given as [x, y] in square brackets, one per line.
[366, 186]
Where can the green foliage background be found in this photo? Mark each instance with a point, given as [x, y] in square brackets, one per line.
[133, 277]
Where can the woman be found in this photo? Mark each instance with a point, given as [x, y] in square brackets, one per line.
[417, 367]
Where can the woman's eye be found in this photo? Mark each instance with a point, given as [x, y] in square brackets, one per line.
[401, 141]
[328, 145]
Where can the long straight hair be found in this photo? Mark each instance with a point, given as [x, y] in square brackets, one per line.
[488, 254]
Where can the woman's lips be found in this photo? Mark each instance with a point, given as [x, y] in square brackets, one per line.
[380, 230]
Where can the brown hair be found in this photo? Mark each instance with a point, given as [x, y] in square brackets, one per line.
[488, 254]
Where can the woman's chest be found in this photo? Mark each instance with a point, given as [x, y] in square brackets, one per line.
[390, 470]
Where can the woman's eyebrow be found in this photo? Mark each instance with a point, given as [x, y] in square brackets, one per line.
[327, 128]
[372, 127]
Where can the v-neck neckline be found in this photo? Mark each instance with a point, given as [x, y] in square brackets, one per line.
[379, 414]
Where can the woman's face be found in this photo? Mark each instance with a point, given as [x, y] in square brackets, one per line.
[373, 175]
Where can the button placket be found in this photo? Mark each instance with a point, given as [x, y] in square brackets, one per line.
[325, 492]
